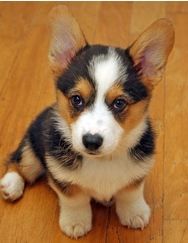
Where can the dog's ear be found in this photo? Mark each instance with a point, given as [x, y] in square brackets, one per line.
[67, 38]
[150, 51]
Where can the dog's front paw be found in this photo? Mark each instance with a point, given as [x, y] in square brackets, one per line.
[76, 230]
[135, 215]
[75, 222]
[11, 186]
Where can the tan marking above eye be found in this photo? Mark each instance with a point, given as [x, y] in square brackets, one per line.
[134, 115]
[64, 107]
[114, 92]
[84, 88]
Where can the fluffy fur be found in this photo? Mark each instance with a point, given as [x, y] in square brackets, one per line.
[102, 92]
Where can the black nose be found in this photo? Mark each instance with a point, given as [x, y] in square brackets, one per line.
[92, 142]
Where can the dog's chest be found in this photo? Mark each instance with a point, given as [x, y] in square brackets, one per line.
[103, 178]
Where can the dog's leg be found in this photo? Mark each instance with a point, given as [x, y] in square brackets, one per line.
[27, 169]
[75, 218]
[131, 207]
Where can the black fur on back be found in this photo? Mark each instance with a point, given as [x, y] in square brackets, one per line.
[45, 139]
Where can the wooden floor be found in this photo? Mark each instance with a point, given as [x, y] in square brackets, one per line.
[26, 87]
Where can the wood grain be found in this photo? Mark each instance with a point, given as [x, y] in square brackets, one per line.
[26, 87]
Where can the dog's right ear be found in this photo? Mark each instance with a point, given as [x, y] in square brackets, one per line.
[151, 50]
[67, 39]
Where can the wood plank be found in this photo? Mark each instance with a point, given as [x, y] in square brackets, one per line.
[113, 24]
[176, 132]
[175, 231]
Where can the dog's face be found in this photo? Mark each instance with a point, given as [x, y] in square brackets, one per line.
[102, 99]
[103, 92]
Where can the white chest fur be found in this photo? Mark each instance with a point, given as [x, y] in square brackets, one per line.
[102, 178]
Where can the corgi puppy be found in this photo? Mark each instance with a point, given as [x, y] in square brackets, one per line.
[96, 141]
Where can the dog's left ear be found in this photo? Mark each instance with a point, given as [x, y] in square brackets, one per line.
[67, 38]
[151, 50]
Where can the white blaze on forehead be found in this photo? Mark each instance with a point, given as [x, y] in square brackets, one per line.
[107, 70]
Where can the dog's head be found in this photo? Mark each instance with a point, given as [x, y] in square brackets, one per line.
[103, 92]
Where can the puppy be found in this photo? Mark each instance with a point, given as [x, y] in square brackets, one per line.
[97, 140]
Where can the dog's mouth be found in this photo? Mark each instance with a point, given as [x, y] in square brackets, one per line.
[95, 154]
[92, 153]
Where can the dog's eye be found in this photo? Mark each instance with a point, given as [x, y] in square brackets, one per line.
[119, 104]
[77, 101]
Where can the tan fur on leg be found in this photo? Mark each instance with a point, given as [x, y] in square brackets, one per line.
[30, 167]
[16, 173]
